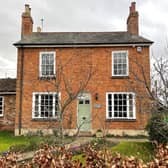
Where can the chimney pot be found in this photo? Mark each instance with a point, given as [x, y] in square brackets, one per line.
[133, 6]
[130, 9]
[38, 29]
[30, 11]
[27, 9]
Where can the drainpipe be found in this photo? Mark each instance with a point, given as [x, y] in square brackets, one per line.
[21, 90]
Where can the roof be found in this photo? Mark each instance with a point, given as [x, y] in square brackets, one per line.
[7, 85]
[81, 38]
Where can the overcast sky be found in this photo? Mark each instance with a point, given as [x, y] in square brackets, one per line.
[79, 15]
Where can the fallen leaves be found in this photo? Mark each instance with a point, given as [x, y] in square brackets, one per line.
[59, 157]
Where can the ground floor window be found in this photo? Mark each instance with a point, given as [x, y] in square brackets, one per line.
[120, 105]
[1, 105]
[45, 105]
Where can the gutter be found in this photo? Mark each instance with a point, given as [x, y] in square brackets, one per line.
[81, 45]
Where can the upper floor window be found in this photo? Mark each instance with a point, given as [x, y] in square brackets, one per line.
[1, 105]
[120, 63]
[47, 64]
[45, 105]
[120, 105]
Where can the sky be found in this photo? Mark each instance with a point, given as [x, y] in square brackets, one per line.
[79, 16]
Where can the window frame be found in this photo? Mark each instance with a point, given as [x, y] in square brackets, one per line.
[1, 115]
[33, 104]
[127, 63]
[40, 63]
[121, 118]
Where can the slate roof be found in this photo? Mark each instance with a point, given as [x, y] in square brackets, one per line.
[81, 38]
[7, 85]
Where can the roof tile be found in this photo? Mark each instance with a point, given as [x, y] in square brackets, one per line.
[82, 38]
[7, 85]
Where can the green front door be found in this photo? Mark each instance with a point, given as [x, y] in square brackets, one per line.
[84, 112]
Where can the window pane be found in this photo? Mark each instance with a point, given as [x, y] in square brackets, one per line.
[47, 64]
[115, 96]
[110, 108]
[80, 101]
[130, 105]
[109, 102]
[109, 96]
[122, 106]
[87, 102]
[115, 114]
[44, 105]
[115, 60]
[36, 108]
[130, 96]
[120, 63]
[47, 59]
[51, 60]
[124, 114]
[36, 114]
[43, 59]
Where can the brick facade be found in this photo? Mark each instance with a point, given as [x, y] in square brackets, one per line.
[78, 59]
[7, 103]
[101, 82]
[7, 121]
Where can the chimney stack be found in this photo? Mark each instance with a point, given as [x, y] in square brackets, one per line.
[132, 21]
[27, 22]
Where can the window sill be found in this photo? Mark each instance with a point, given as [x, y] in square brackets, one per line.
[120, 120]
[44, 119]
[120, 77]
[47, 77]
[1, 116]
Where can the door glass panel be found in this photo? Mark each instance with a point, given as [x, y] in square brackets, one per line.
[87, 101]
[80, 101]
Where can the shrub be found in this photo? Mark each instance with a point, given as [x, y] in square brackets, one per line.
[100, 143]
[157, 128]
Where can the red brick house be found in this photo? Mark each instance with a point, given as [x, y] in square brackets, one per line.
[7, 103]
[115, 98]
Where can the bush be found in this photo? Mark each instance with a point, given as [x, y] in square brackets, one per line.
[100, 143]
[157, 128]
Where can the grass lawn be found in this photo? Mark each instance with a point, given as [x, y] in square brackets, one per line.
[27, 143]
[7, 139]
[141, 150]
